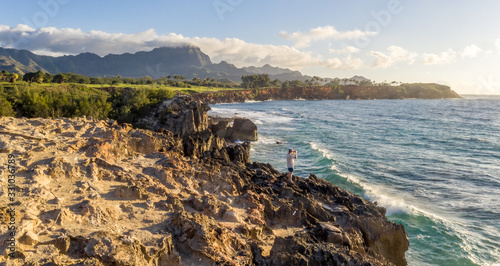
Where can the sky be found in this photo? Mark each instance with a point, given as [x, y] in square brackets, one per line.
[456, 43]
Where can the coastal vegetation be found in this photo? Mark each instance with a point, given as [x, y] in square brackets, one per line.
[39, 94]
[71, 100]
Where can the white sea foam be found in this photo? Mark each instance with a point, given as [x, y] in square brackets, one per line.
[395, 205]
[423, 196]
[384, 197]
[268, 140]
[326, 153]
[376, 193]
[392, 204]
[258, 117]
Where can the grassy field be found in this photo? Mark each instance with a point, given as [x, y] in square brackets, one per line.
[193, 89]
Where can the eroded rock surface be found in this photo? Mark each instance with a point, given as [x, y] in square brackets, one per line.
[187, 119]
[93, 192]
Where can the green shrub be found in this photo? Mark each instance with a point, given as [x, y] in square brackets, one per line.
[6, 108]
[131, 103]
[74, 100]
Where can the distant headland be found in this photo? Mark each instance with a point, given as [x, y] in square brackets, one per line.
[355, 92]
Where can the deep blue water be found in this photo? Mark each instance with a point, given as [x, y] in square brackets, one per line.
[434, 164]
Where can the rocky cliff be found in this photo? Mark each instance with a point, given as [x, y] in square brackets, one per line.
[187, 119]
[91, 192]
[404, 91]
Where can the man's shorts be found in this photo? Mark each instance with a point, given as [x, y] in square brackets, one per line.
[290, 169]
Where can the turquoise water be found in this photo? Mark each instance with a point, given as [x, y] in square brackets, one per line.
[434, 164]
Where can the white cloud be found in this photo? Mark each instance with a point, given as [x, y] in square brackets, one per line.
[497, 44]
[445, 57]
[400, 55]
[471, 51]
[395, 54]
[347, 63]
[381, 60]
[53, 41]
[346, 50]
[304, 39]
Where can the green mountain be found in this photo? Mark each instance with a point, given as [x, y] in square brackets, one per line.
[188, 61]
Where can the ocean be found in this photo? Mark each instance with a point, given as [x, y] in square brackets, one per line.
[433, 164]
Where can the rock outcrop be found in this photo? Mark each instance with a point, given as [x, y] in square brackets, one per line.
[92, 192]
[404, 91]
[243, 129]
[187, 119]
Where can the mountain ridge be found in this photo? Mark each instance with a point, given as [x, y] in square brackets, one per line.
[188, 61]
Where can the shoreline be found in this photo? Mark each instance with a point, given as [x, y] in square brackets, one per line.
[271, 129]
[108, 186]
[348, 92]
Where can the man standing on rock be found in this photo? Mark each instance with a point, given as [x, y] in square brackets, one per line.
[290, 163]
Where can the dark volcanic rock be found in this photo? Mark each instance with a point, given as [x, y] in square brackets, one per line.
[187, 119]
[244, 129]
[221, 129]
[181, 115]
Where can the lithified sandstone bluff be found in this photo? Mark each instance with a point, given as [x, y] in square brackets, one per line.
[91, 192]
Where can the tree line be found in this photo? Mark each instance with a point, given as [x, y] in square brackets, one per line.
[247, 81]
[170, 80]
[8, 77]
[263, 81]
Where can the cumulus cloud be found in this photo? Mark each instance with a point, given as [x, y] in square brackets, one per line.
[54, 41]
[304, 39]
[74, 41]
[394, 54]
[445, 57]
[348, 63]
[381, 59]
[471, 51]
[346, 50]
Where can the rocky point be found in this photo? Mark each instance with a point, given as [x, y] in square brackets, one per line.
[93, 192]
